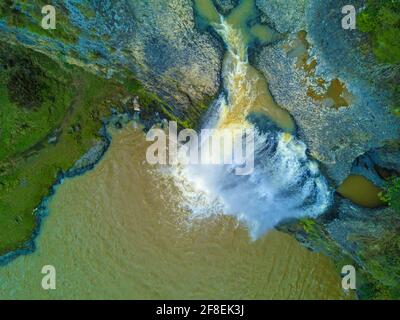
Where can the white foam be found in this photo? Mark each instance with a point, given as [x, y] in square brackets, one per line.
[284, 184]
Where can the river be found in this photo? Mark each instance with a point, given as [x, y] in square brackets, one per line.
[130, 230]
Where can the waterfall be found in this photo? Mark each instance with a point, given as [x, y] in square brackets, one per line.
[284, 183]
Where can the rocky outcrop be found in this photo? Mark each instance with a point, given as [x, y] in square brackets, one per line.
[372, 238]
[284, 16]
[368, 239]
[154, 40]
[379, 164]
[180, 62]
[334, 136]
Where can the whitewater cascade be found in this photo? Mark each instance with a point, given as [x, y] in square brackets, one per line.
[284, 184]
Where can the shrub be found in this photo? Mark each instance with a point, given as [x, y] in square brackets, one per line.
[381, 20]
[391, 193]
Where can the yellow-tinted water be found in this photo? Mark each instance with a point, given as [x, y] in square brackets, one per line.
[361, 191]
[247, 87]
[333, 93]
[118, 232]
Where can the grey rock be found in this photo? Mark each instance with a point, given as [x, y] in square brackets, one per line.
[91, 156]
[155, 40]
[387, 157]
[335, 137]
[181, 63]
[225, 6]
[284, 15]
[365, 166]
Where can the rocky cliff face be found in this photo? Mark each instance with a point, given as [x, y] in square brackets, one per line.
[176, 59]
[156, 40]
[284, 16]
[300, 72]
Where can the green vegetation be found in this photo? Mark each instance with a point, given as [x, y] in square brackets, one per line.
[373, 252]
[308, 225]
[381, 20]
[50, 115]
[379, 254]
[391, 193]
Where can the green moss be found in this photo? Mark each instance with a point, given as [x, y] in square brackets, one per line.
[312, 234]
[377, 262]
[308, 225]
[86, 10]
[378, 256]
[396, 111]
[32, 98]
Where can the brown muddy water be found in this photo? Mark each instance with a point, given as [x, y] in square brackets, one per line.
[124, 230]
[247, 86]
[119, 232]
[361, 191]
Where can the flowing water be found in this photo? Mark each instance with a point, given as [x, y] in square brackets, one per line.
[131, 230]
[285, 183]
[119, 232]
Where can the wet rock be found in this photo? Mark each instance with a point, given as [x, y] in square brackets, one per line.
[52, 140]
[136, 104]
[379, 164]
[225, 6]
[91, 156]
[366, 167]
[368, 239]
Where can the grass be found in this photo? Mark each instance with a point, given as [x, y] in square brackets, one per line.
[73, 104]
[31, 100]
[51, 113]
